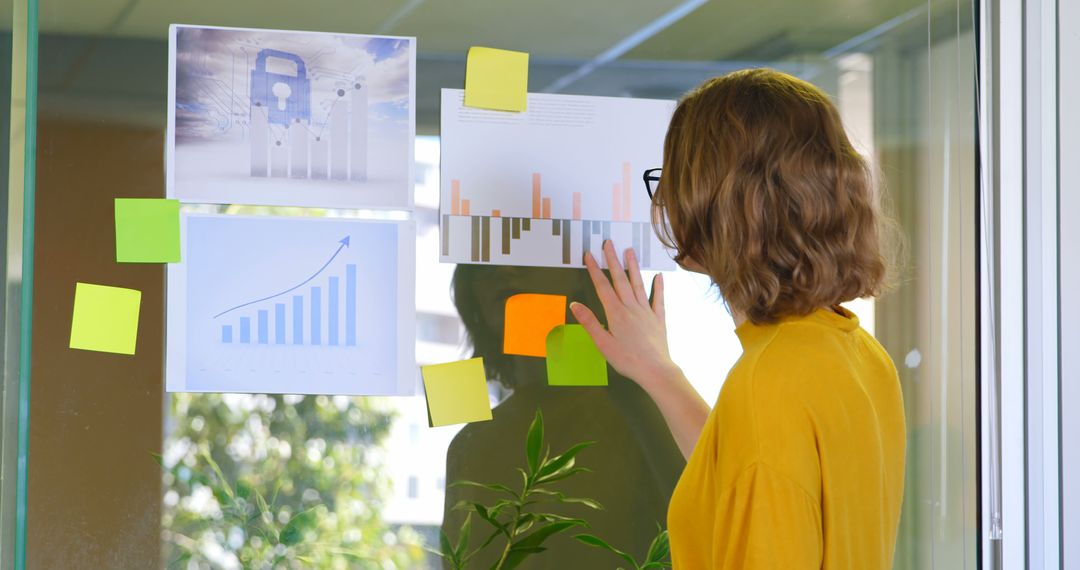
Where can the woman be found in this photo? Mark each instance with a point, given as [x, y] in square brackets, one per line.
[800, 463]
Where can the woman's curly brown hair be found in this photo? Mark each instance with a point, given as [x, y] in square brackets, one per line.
[762, 189]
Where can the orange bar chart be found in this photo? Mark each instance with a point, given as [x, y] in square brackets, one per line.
[464, 207]
[455, 197]
[616, 202]
[577, 206]
[546, 213]
[536, 213]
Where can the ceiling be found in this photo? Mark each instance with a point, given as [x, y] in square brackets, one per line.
[108, 57]
[719, 29]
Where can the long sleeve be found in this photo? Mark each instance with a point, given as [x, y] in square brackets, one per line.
[765, 521]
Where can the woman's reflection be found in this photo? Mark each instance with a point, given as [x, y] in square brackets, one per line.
[635, 462]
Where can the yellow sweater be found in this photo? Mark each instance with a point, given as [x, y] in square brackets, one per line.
[801, 462]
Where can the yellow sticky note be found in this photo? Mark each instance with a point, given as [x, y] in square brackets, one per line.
[496, 79]
[105, 319]
[456, 392]
[528, 320]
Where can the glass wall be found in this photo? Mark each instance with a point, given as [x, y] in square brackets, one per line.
[125, 475]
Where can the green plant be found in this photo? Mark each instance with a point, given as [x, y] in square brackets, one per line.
[657, 558]
[245, 508]
[270, 481]
[519, 511]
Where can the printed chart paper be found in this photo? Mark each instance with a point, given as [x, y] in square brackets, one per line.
[290, 118]
[544, 186]
[292, 306]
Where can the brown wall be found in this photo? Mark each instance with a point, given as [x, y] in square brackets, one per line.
[95, 490]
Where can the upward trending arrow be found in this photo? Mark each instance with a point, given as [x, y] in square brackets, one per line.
[344, 243]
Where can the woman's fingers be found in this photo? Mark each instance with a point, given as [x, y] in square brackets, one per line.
[618, 275]
[588, 320]
[608, 297]
[635, 277]
[658, 296]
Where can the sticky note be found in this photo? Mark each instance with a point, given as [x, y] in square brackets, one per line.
[573, 359]
[529, 318]
[496, 79]
[456, 392]
[105, 319]
[147, 230]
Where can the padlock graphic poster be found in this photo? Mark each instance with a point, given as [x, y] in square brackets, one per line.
[291, 118]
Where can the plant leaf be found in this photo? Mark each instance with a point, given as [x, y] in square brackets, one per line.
[447, 551]
[488, 486]
[516, 557]
[659, 550]
[568, 471]
[534, 442]
[463, 539]
[538, 536]
[559, 461]
[293, 532]
[598, 542]
[592, 504]
[221, 476]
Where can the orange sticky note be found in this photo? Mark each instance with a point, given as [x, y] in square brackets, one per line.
[529, 319]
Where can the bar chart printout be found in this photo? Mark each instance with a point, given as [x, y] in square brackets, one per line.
[543, 187]
[292, 306]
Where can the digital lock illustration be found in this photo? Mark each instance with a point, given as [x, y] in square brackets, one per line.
[285, 98]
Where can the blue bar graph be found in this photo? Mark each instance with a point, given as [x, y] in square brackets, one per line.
[297, 319]
[332, 312]
[316, 312]
[264, 327]
[350, 305]
[321, 326]
[279, 323]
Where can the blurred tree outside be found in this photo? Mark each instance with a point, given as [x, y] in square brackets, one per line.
[272, 481]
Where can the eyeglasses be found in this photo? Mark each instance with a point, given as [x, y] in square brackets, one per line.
[652, 180]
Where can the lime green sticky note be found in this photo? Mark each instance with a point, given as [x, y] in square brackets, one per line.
[106, 319]
[456, 392]
[147, 230]
[573, 359]
[496, 79]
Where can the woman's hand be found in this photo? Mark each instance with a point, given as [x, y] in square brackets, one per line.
[635, 342]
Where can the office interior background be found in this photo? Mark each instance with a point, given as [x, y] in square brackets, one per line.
[964, 108]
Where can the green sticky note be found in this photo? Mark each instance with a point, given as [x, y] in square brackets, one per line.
[106, 319]
[456, 392]
[573, 359]
[147, 230]
[496, 79]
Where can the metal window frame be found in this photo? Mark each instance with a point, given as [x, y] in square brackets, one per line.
[1020, 286]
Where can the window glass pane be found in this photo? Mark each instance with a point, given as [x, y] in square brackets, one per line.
[135, 477]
